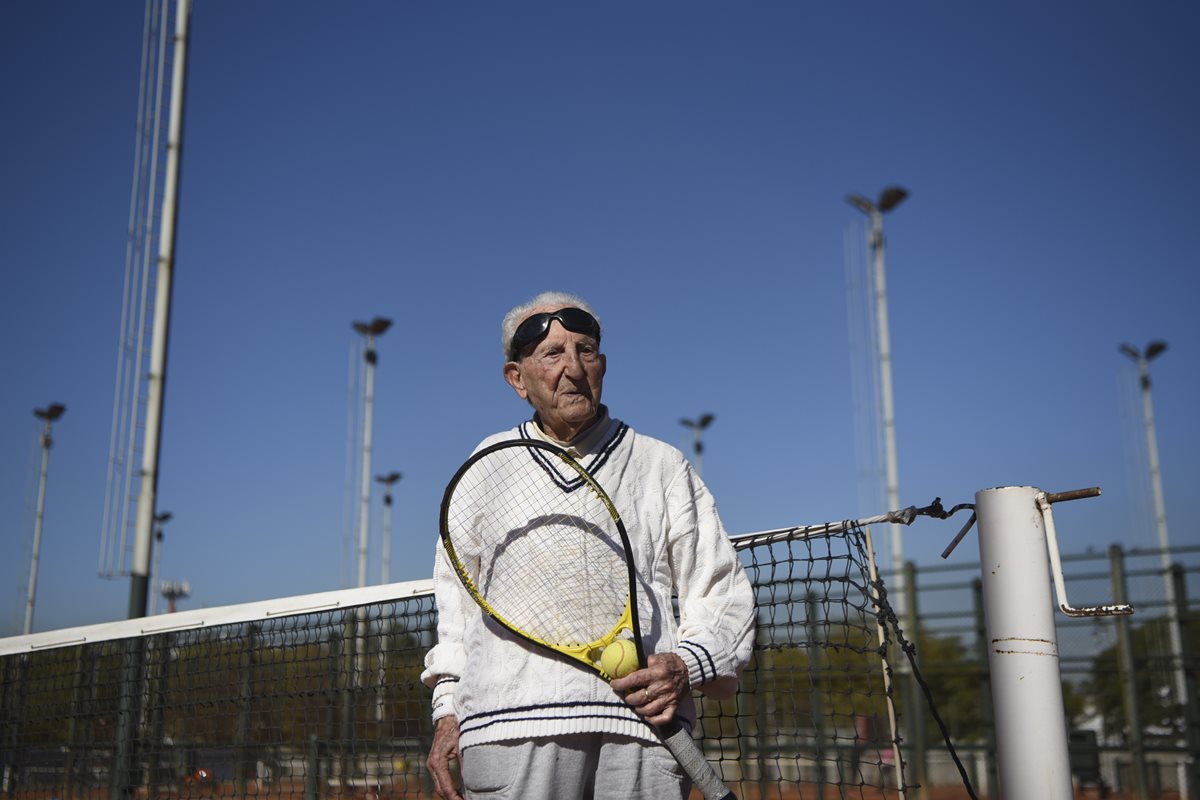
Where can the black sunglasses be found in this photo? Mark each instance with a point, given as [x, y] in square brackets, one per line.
[535, 328]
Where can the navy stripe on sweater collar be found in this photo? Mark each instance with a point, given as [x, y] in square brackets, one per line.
[610, 434]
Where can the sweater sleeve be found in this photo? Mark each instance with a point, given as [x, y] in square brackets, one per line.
[716, 601]
[445, 662]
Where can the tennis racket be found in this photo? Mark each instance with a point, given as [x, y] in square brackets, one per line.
[541, 549]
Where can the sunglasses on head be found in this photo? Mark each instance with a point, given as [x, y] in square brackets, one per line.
[535, 328]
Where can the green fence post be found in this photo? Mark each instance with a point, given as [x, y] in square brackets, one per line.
[312, 775]
[914, 706]
[985, 694]
[759, 699]
[12, 704]
[347, 683]
[1191, 708]
[816, 666]
[241, 735]
[125, 772]
[1127, 675]
[160, 660]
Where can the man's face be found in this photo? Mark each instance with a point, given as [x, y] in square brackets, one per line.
[562, 378]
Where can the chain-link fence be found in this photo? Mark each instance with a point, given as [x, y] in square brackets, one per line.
[1129, 683]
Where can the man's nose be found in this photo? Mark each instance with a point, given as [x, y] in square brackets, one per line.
[573, 363]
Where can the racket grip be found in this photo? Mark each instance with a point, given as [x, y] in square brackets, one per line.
[687, 753]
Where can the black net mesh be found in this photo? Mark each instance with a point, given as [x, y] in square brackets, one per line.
[328, 703]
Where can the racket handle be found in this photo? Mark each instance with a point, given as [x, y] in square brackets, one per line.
[688, 754]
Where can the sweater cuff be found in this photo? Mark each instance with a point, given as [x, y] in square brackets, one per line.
[443, 698]
[701, 667]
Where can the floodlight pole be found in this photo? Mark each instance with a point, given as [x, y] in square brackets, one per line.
[388, 482]
[159, 521]
[139, 577]
[888, 200]
[697, 427]
[370, 330]
[1153, 350]
[47, 415]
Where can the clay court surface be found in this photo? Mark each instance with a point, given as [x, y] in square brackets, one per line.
[286, 791]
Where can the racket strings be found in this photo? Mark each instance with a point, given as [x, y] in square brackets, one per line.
[546, 560]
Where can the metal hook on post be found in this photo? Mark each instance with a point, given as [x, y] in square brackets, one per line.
[1044, 501]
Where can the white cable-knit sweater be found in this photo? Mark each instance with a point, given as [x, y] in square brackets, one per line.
[502, 688]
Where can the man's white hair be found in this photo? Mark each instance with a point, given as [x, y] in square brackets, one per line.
[555, 300]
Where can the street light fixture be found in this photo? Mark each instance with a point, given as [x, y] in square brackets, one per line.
[889, 198]
[697, 426]
[174, 591]
[376, 327]
[47, 415]
[370, 330]
[51, 413]
[388, 481]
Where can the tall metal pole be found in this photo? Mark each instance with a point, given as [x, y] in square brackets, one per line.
[1153, 350]
[156, 572]
[370, 330]
[1160, 509]
[385, 566]
[156, 382]
[47, 415]
[891, 466]
[888, 199]
[156, 575]
[365, 499]
[388, 482]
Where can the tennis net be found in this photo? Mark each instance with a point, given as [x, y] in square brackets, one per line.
[318, 697]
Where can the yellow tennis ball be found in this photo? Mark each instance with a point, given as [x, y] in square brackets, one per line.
[619, 658]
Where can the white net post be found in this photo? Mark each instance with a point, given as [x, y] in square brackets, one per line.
[1031, 725]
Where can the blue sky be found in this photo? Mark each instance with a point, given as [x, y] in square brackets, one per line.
[683, 166]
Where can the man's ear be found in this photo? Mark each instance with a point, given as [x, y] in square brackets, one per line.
[512, 376]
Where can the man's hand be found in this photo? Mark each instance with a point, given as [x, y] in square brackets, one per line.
[655, 692]
[443, 751]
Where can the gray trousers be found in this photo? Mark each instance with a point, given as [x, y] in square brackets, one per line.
[584, 766]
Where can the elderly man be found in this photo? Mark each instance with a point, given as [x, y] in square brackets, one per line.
[561, 732]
